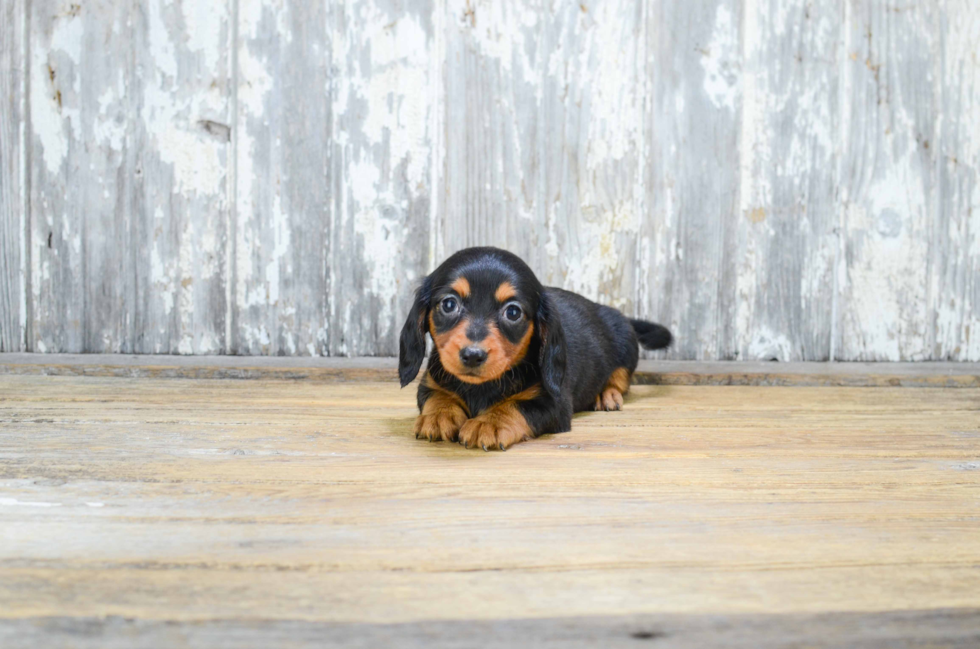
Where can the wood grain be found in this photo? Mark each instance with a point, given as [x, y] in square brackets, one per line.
[333, 174]
[888, 179]
[328, 370]
[129, 138]
[774, 180]
[787, 220]
[927, 629]
[270, 501]
[955, 265]
[282, 249]
[13, 224]
[543, 143]
[383, 93]
[687, 261]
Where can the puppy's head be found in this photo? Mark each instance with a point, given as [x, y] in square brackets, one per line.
[483, 308]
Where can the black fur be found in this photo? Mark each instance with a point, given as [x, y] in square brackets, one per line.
[411, 346]
[651, 335]
[576, 346]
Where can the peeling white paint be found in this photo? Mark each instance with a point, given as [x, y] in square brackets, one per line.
[390, 89]
[601, 258]
[161, 47]
[382, 111]
[885, 286]
[767, 345]
[201, 20]
[562, 101]
[722, 68]
[110, 128]
[46, 122]
[161, 279]
[67, 35]
[497, 30]
[171, 114]
[196, 165]
[281, 241]
[256, 85]
[615, 124]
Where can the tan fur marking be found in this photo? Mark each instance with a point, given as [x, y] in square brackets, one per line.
[449, 343]
[501, 353]
[619, 380]
[505, 292]
[611, 397]
[443, 413]
[461, 286]
[501, 426]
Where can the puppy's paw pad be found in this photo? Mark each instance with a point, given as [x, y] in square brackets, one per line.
[491, 435]
[611, 398]
[440, 425]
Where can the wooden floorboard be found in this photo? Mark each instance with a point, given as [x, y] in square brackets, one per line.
[193, 512]
[339, 369]
[929, 629]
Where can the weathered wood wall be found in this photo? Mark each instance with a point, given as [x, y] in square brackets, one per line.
[790, 179]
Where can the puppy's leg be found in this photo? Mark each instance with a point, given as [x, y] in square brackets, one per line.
[516, 419]
[443, 413]
[611, 397]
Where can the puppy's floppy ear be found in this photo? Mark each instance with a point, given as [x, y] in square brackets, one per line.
[411, 346]
[553, 351]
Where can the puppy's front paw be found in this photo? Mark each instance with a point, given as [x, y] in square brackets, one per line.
[498, 429]
[440, 420]
[610, 399]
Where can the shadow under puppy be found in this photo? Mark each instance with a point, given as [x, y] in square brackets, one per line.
[513, 359]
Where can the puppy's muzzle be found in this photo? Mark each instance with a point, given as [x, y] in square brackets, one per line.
[472, 357]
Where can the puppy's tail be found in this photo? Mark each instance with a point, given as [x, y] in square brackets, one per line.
[651, 335]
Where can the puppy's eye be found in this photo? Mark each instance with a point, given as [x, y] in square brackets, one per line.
[513, 312]
[449, 305]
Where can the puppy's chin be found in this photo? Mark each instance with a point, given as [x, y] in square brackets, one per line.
[470, 378]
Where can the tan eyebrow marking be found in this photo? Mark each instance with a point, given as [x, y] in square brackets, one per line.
[461, 286]
[505, 292]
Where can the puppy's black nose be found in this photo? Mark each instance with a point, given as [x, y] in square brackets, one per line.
[472, 356]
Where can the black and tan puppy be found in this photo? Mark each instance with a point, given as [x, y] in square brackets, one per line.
[513, 359]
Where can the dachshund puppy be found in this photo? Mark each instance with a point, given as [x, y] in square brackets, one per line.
[513, 359]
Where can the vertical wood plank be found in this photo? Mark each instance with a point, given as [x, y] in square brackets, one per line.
[129, 132]
[78, 171]
[788, 163]
[494, 151]
[51, 54]
[544, 138]
[686, 256]
[888, 179]
[334, 174]
[13, 71]
[284, 178]
[383, 94]
[591, 118]
[180, 162]
[955, 255]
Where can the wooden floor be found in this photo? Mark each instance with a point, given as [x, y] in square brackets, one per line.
[176, 512]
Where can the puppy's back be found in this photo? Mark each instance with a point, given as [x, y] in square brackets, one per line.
[599, 339]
